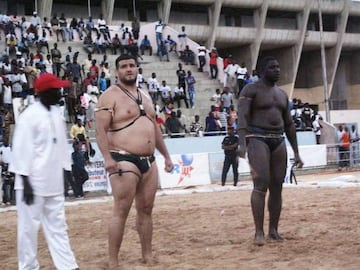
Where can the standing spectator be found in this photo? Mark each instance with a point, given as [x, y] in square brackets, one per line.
[78, 168]
[233, 117]
[165, 92]
[102, 82]
[179, 94]
[354, 138]
[153, 87]
[202, 57]
[145, 45]
[40, 156]
[174, 126]
[230, 145]
[230, 76]
[140, 79]
[182, 39]
[213, 63]
[93, 93]
[216, 98]
[196, 127]
[190, 80]
[56, 58]
[211, 128]
[226, 99]
[316, 128]
[135, 28]
[159, 27]
[241, 74]
[344, 148]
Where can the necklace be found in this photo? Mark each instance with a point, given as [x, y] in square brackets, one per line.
[137, 100]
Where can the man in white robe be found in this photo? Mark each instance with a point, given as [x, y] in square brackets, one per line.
[40, 156]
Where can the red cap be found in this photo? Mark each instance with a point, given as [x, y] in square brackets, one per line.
[48, 81]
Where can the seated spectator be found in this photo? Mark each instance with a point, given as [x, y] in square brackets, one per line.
[77, 128]
[170, 44]
[187, 56]
[145, 45]
[103, 28]
[81, 28]
[65, 31]
[116, 44]
[133, 49]
[35, 20]
[88, 44]
[31, 35]
[11, 44]
[163, 51]
[42, 42]
[55, 26]
[73, 26]
[90, 26]
[46, 25]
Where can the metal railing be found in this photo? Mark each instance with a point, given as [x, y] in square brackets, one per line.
[344, 157]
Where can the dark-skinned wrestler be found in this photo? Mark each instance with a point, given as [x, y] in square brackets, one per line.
[264, 117]
[127, 135]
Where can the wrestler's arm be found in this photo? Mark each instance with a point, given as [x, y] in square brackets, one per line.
[160, 145]
[103, 116]
[290, 132]
[244, 106]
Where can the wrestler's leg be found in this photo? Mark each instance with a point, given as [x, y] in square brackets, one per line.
[123, 191]
[144, 199]
[278, 172]
[258, 155]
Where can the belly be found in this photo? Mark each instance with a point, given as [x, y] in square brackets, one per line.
[139, 138]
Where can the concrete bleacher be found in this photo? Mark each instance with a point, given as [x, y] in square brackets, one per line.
[205, 87]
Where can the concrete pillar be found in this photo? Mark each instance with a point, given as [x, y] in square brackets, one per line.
[44, 8]
[166, 10]
[334, 53]
[107, 9]
[302, 21]
[214, 15]
[259, 18]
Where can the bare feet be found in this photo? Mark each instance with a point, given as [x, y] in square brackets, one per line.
[259, 239]
[274, 235]
[150, 261]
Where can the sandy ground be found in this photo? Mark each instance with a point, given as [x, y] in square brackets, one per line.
[215, 231]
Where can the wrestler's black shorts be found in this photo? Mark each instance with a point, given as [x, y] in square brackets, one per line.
[272, 143]
[142, 162]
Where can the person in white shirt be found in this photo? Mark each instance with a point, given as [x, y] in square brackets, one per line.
[18, 79]
[241, 73]
[92, 92]
[153, 87]
[216, 98]
[140, 79]
[165, 92]
[179, 94]
[35, 20]
[158, 32]
[40, 155]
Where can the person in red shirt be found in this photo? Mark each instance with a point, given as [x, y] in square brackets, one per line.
[213, 63]
[344, 149]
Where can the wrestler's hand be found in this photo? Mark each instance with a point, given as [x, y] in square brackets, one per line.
[111, 166]
[241, 152]
[28, 191]
[169, 166]
[298, 161]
